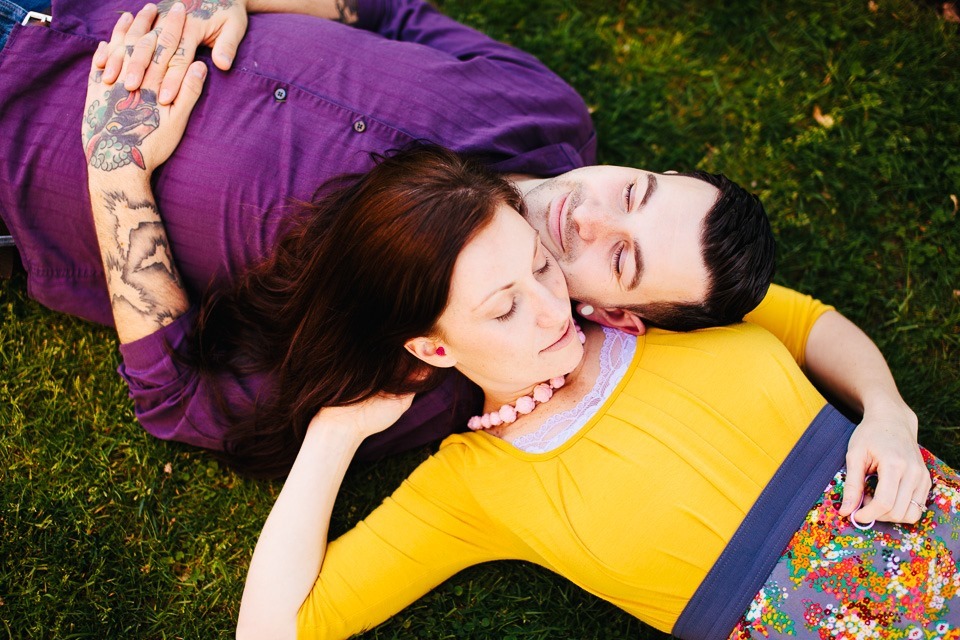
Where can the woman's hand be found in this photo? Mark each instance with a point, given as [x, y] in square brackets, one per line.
[220, 24]
[885, 443]
[124, 128]
[365, 418]
[291, 547]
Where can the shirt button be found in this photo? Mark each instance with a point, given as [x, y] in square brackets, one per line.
[359, 126]
[280, 94]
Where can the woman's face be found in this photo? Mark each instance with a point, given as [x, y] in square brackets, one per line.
[508, 323]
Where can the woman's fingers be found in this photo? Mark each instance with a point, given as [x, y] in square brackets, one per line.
[897, 497]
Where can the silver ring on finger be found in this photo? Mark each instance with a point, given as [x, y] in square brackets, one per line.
[919, 506]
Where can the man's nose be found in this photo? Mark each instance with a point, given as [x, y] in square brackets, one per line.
[587, 221]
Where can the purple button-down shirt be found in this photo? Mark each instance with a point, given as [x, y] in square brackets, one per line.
[307, 99]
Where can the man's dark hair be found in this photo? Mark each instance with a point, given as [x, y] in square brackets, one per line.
[738, 249]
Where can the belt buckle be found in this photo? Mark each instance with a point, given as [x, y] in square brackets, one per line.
[43, 18]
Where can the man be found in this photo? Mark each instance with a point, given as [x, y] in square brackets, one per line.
[257, 141]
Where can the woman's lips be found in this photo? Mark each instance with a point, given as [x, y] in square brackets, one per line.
[562, 340]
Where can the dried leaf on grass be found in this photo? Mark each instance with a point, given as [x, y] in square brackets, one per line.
[825, 120]
[950, 11]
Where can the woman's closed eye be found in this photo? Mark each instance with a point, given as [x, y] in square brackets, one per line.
[547, 263]
[509, 314]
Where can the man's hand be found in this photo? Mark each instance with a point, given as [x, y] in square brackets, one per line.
[220, 24]
[122, 127]
[126, 135]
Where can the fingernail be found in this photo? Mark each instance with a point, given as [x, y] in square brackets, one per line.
[130, 79]
[586, 310]
[177, 7]
[224, 59]
[165, 96]
[198, 70]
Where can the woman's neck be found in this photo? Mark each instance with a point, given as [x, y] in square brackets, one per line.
[577, 384]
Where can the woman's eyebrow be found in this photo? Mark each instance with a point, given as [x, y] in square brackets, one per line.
[536, 245]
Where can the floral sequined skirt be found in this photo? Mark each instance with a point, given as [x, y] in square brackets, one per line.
[891, 581]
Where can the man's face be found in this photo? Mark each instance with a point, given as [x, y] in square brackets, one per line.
[624, 236]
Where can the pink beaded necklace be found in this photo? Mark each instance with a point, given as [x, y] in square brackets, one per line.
[524, 404]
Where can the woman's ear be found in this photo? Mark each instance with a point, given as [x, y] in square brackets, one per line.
[430, 351]
[622, 319]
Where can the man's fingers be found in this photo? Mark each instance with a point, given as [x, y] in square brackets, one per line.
[177, 68]
[168, 44]
[143, 52]
[96, 70]
[225, 48]
[113, 55]
[189, 91]
[121, 56]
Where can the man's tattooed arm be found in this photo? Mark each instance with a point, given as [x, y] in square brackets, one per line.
[203, 9]
[347, 10]
[146, 291]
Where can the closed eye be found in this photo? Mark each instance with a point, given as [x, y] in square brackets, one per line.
[616, 260]
[546, 266]
[509, 314]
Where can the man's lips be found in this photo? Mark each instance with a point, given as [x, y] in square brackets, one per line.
[555, 221]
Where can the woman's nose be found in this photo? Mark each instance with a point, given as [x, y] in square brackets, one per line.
[553, 308]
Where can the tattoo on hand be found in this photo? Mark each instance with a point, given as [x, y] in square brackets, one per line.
[139, 265]
[347, 10]
[203, 9]
[129, 49]
[114, 130]
[158, 53]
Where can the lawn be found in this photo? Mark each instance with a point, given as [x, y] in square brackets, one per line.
[843, 116]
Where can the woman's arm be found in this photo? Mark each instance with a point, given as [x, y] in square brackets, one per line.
[291, 547]
[847, 365]
[430, 528]
[843, 360]
[126, 135]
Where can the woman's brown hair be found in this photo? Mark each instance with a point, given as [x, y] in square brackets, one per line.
[361, 271]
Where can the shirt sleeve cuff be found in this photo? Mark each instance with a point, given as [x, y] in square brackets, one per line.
[147, 362]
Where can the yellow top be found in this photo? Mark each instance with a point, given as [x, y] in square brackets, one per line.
[635, 507]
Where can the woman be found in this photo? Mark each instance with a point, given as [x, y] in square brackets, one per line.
[709, 452]
[647, 433]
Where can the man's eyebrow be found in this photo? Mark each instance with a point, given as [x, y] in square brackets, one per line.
[536, 245]
[651, 187]
[638, 272]
[637, 255]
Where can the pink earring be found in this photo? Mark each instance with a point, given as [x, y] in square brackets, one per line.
[441, 352]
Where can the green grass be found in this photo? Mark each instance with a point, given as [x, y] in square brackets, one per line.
[107, 533]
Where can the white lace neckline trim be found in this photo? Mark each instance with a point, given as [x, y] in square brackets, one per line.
[616, 354]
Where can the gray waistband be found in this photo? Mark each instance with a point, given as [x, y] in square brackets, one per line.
[749, 557]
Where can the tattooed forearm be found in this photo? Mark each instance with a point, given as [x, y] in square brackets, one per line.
[347, 11]
[114, 128]
[146, 291]
[203, 9]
